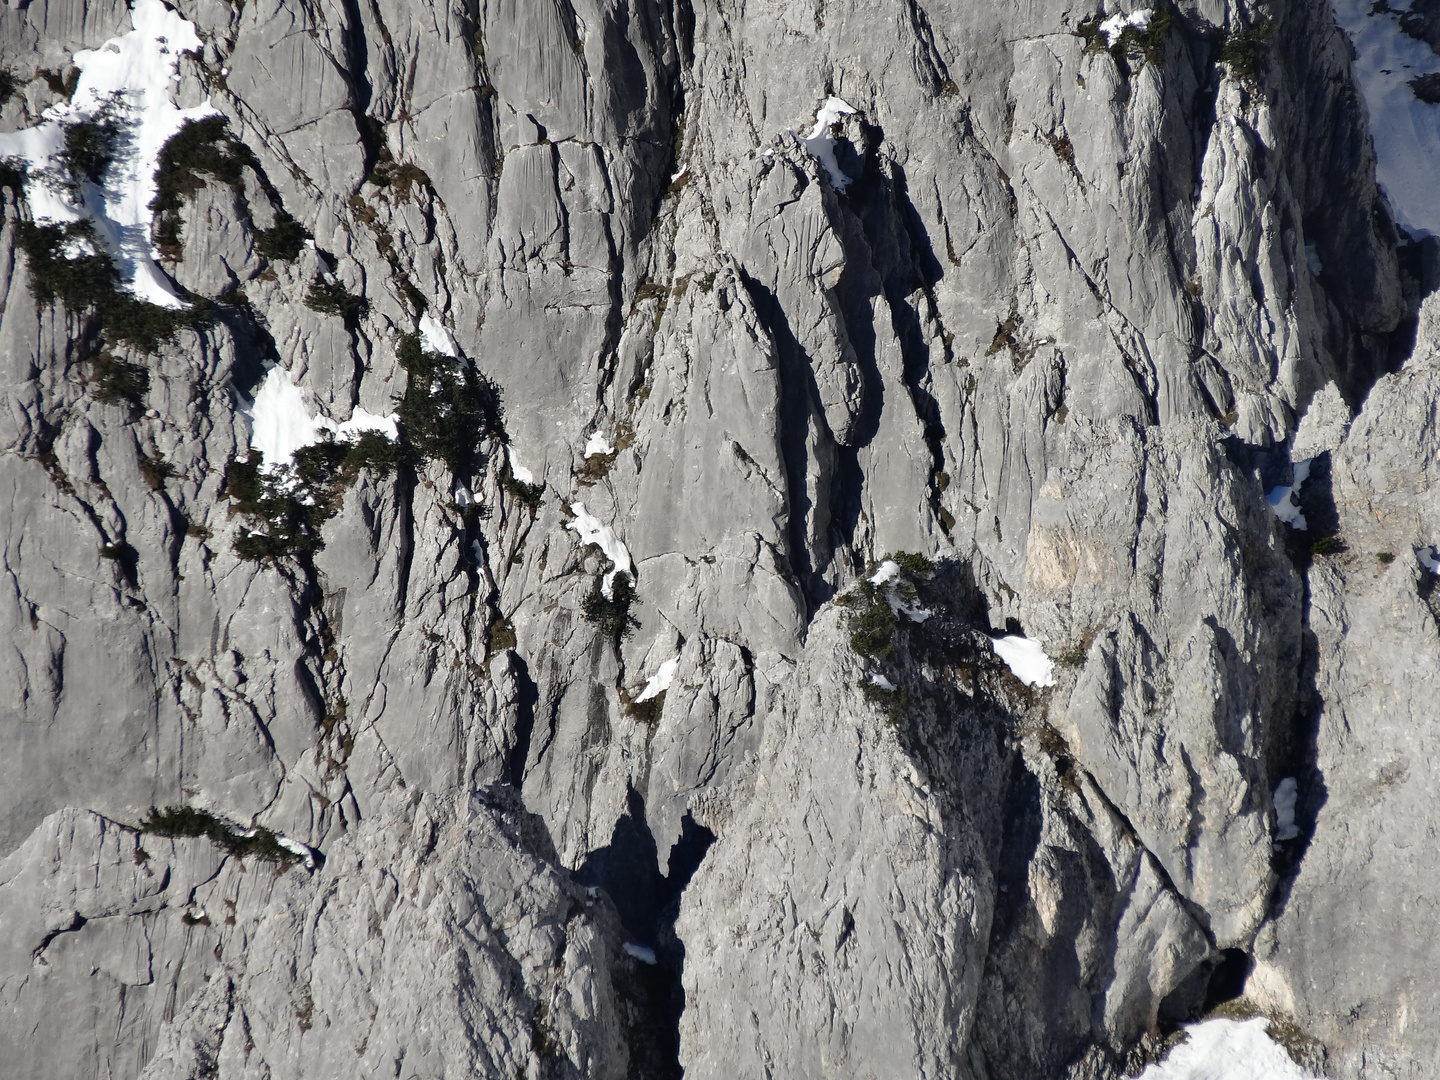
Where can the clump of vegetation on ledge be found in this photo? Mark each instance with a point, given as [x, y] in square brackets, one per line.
[282, 241]
[873, 607]
[188, 821]
[332, 298]
[448, 407]
[67, 263]
[611, 614]
[200, 148]
[1244, 51]
[289, 504]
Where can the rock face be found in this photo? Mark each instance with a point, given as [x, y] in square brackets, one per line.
[737, 299]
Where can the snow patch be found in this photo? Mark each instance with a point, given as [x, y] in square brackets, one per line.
[1312, 260]
[881, 681]
[520, 472]
[1287, 792]
[592, 531]
[1026, 658]
[280, 423]
[437, 338]
[887, 579]
[305, 852]
[1114, 26]
[660, 681]
[129, 78]
[1428, 558]
[1227, 1050]
[1406, 130]
[822, 146]
[888, 572]
[1285, 501]
[640, 952]
[598, 446]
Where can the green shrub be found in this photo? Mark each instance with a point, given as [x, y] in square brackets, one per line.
[283, 241]
[188, 821]
[89, 148]
[611, 613]
[332, 298]
[291, 504]
[86, 281]
[8, 85]
[199, 148]
[1244, 51]
[89, 282]
[893, 703]
[1327, 545]
[523, 493]
[118, 380]
[502, 636]
[448, 407]
[872, 629]
[1384, 558]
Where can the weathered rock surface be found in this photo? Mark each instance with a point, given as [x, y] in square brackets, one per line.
[1034, 309]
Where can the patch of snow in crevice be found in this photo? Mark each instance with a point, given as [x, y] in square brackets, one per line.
[305, 852]
[129, 78]
[1026, 658]
[1406, 130]
[821, 146]
[437, 338]
[881, 681]
[643, 953]
[520, 472]
[280, 423]
[1223, 1049]
[1287, 793]
[1115, 25]
[591, 531]
[598, 446]
[1428, 558]
[1312, 260]
[661, 681]
[1285, 501]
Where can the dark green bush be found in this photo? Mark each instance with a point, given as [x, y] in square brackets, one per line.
[89, 148]
[523, 493]
[8, 85]
[188, 821]
[283, 241]
[293, 502]
[893, 703]
[87, 281]
[118, 380]
[872, 629]
[332, 298]
[448, 407]
[199, 148]
[90, 282]
[1244, 51]
[611, 613]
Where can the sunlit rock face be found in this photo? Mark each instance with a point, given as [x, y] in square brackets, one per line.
[571, 538]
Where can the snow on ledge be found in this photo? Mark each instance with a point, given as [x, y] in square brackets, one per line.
[661, 681]
[1428, 558]
[131, 76]
[1115, 25]
[280, 423]
[642, 953]
[437, 338]
[821, 146]
[591, 531]
[1222, 1049]
[598, 446]
[520, 472]
[1284, 501]
[1026, 658]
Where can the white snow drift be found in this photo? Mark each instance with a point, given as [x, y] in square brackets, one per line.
[1285, 501]
[129, 78]
[280, 423]
[1227, 1050]
[1115, 25]
[1026, 658]
[592, 531]
[661, 681]
[1406, 130]
[822, 146]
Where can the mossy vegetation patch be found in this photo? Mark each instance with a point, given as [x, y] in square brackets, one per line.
[189, 821]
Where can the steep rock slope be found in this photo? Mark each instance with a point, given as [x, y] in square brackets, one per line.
[768, 291]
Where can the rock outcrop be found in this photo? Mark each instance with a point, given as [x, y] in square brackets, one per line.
[725, 302]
